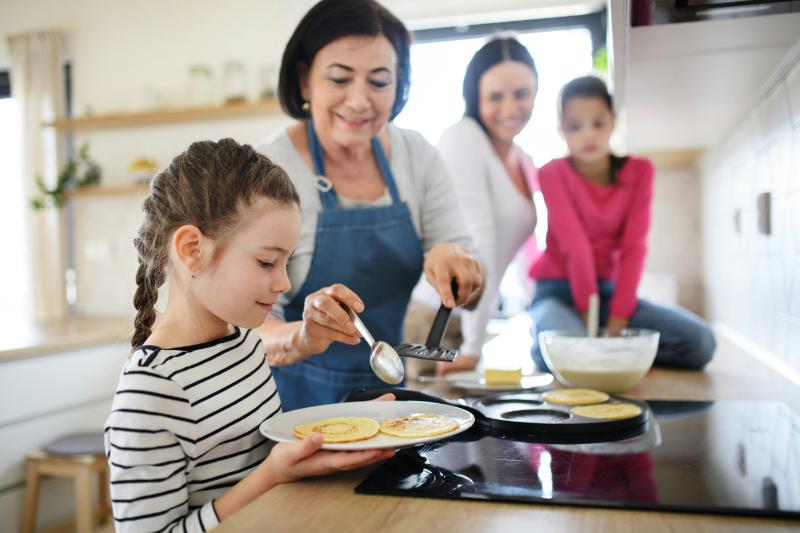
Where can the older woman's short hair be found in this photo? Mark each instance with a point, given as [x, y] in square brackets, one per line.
[329, 20]
[497, 50]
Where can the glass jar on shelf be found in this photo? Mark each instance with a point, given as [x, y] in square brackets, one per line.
[268, 82]
[235, 82]
[201, 89]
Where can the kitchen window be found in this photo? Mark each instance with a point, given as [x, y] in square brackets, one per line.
[14, 270]
[562, 48]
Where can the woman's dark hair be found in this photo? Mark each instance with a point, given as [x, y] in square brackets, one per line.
[586, 87]
[329, 20]
[209, 185]
[593, 87]
[497, 50]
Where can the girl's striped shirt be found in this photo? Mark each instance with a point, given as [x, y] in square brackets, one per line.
[184, 429]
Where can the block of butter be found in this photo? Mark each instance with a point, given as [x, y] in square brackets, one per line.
[502, 376]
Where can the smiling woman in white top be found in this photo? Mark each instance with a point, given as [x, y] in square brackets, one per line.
[494, 181]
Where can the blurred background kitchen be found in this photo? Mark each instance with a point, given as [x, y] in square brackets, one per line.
[711, 94]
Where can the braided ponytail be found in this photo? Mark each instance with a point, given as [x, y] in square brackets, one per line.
[149, 277]
[206, 186]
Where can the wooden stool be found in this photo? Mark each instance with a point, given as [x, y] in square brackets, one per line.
[78, 457]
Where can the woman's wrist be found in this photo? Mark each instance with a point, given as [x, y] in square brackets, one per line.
[296, 344]
[281, 342]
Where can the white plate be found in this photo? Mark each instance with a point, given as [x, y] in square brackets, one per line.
[472, 380]
[279, 427]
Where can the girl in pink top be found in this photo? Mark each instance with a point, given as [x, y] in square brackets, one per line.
[598, 219]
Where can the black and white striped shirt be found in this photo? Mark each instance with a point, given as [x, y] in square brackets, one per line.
[184, 429]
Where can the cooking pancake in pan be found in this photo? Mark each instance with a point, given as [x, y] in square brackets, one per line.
[607, 411]
[575, 396]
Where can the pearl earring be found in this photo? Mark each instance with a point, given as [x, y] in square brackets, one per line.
[306, 105]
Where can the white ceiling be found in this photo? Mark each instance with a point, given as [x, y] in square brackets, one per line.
[689, 83]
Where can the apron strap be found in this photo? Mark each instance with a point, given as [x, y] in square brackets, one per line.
[383, 163]
[327, 194]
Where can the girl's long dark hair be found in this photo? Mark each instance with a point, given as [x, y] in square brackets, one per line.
[593, 87]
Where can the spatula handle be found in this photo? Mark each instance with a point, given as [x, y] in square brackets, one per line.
[441, 320]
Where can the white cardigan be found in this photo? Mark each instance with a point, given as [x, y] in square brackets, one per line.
[498, 218]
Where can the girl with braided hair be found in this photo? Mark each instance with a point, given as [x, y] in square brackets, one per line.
[182, 439]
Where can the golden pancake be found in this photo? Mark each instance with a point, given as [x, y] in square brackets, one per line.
[575, 396]
[342, 429]
[607, 411]
[415, 426]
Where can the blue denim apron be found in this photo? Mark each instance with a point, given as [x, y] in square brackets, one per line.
[375, 251]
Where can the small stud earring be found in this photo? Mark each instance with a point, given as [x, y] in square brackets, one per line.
[193, 274]
[306, 105]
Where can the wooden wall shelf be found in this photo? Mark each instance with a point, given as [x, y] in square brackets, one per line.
[110, 190]
[165, 116]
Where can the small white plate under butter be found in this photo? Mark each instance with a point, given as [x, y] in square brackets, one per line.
[474, 381]
[280, 427]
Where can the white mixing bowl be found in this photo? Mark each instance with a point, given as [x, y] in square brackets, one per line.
[610, 364]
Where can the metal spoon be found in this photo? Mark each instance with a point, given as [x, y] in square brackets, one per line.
[383, 360]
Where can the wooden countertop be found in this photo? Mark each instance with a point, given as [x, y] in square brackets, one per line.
[27, 339]
[329, 503]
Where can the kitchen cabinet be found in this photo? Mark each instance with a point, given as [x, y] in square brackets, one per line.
[51, 387]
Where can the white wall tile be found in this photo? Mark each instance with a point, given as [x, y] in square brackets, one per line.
[777, 115]
[793, 180]
[793, 206]
[793, 93]
[753, 280]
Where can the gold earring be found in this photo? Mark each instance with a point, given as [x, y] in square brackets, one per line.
[306, 105]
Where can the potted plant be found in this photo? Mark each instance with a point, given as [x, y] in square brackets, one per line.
[78, 173]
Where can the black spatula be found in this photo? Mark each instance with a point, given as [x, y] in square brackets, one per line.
[431, 350]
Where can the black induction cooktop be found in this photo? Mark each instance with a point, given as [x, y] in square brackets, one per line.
[726, 457]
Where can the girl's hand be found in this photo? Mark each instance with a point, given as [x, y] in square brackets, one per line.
[296, 460]
[325, 322]
[446, 261]
[615, 325]
[388, 397]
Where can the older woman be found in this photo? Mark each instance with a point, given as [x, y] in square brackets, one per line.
[377, 205]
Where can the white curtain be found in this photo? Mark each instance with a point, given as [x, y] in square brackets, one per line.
[37, 82]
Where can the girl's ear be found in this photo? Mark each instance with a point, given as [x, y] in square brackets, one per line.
[189, 245]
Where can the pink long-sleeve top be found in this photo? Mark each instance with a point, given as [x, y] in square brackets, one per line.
[596, 231]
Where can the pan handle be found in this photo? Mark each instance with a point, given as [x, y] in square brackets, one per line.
[404, 395]
[442, 318]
